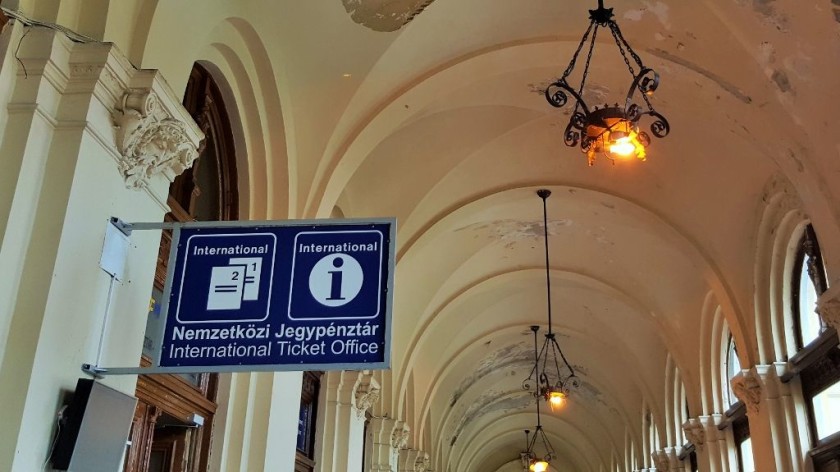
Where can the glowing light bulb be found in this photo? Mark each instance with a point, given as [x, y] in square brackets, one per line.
[539, 466]
[556, 400]
[623, 146]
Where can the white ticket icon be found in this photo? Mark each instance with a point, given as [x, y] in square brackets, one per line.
[230, 285]
[226, 285]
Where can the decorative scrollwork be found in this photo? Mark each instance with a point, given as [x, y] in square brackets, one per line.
[555, 95]
[660, 127]
[646, 81]
[643, 138]
[649, 81]
[633, 112]
[578, 120]
[528, 384]
[586, 143]
[570, 136]
[572, 382]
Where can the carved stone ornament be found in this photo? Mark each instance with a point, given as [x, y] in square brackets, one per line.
[828, 307]
[695, 433]
[747, 388]
[150, 142]
[399, 437]
[422, 463]
[366, 395]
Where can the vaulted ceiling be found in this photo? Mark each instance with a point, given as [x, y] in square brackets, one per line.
[348, 108]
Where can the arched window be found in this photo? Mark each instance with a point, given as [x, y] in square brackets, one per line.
[736, 414]
[732, 368]
[818, 358]
[808, 282]
[165, 435]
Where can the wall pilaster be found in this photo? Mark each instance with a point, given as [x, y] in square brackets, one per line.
[668, 460]
[772, 417]
[346, 395]
[386, 437]
[412, 460]
[60, 181]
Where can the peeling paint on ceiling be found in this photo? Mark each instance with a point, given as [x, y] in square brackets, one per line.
[503, 358]
[384, 15]
[510, 231]
[491, 401]
[658, 9]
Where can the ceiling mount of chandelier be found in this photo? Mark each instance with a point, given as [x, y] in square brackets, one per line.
[552, 376]
[611, 130]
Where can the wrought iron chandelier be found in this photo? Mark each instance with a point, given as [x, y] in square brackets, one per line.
[548, 379]
[610, 130]
[530, 459]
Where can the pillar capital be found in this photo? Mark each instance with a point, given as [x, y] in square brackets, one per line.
[151, 140]
[828, 307]
[399, 435]
[661, 461]
[366, 393]
[748, 388]
[695, 433]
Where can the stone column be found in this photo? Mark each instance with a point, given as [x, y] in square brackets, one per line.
[668, 460]
[717, 447]
[695, 432]
[85, 137]
[345, 396]
[772, 417]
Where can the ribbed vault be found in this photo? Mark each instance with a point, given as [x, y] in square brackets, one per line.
[442, 124]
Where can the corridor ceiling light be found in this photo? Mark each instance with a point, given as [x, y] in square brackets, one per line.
[547, 379]
[610, 130]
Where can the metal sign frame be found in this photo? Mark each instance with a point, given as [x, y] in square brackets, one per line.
[176, 227]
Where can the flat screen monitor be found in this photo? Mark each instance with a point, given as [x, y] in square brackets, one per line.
[94, 429]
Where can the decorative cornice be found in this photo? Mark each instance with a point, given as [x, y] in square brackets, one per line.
[150, 140]
[366, 393]
[748, 389]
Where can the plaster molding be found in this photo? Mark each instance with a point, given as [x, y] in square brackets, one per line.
[695, 433]
[778, 192]
[747, 387]
[150, 141]
[366, 393]
[828, 307]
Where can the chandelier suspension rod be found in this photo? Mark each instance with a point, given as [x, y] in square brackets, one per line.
[544, 194]
[536, 367]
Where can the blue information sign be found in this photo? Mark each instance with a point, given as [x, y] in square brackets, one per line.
[279, 296]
